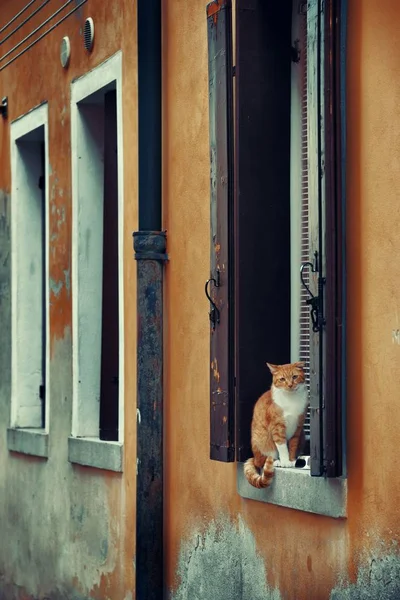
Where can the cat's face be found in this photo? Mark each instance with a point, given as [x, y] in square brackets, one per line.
[287, 377]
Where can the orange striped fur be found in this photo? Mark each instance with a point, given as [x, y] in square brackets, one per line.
[278, 419]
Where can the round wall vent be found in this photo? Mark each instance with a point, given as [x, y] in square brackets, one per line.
[65, 51]
[88, 34]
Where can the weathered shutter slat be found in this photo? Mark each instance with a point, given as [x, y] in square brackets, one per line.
[222, 409]
[262, 202]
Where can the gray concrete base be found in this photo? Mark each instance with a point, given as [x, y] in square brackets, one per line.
[28, 441]
[295, 488]
[92, 452]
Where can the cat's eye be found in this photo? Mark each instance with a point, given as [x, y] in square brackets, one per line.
[295, 377]
[281, 379]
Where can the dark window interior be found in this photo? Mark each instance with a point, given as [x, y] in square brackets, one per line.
[110, 310]
[42, 186]
[262, 202]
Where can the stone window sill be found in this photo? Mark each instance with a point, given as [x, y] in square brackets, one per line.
[295, 488]
[92, 452]
[34, 442]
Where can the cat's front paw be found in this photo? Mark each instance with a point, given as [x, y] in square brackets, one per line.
[285, 464]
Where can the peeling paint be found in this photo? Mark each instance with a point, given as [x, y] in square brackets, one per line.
[379, 579]
[61, 214]
[67, 276]
[55, 286]
[222, 562]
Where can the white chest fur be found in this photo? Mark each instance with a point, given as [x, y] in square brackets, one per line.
[293, 404]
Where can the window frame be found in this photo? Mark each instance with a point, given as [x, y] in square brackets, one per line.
[27, 439]
[331, 400]
[84, 447]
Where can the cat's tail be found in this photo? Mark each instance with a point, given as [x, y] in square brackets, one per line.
[253, 476]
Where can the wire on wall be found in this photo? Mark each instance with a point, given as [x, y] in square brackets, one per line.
[28, 18]
[17, 15]
[77, 7]
[28, 37]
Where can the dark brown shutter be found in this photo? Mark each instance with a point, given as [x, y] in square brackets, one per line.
[262, 201]
[334, 236]
[326, 238]
[219, 287]
[315, 138]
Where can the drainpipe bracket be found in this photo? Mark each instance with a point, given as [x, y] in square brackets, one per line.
[150, 245]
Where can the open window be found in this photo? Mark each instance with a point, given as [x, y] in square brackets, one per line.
[29, 242]
[277, 234]
[97, 284]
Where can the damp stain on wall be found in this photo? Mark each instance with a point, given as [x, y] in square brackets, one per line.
[378, 578]
[222, 562]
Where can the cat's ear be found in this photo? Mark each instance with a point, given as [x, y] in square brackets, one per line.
[272, 368]
[299, 365]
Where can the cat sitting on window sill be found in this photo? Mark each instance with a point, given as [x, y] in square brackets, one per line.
[277, 434]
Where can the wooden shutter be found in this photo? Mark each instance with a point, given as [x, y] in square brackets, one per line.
[316, 209]
[333, 417]
[262, 201]
[220, 285]
[326, 239]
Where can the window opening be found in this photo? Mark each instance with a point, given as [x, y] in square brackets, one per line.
[286, 216]
[29, 271]
[97, 272]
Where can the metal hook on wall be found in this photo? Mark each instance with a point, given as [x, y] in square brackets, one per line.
[313, 301]
[214, 312]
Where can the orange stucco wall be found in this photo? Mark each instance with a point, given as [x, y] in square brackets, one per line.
[305, 556]
[211, 533]
[70, 527]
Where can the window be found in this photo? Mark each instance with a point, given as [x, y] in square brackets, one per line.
[97, 261]
[30, 268]
[281, 213]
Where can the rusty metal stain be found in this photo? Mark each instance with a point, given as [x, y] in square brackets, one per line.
[214, 7]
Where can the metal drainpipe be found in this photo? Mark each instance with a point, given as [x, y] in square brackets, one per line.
[150, 251]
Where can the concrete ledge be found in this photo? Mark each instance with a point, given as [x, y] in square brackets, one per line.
[295, 488]
[92, 452]
[34, 442]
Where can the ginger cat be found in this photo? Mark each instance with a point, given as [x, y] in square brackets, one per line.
[277, 426]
